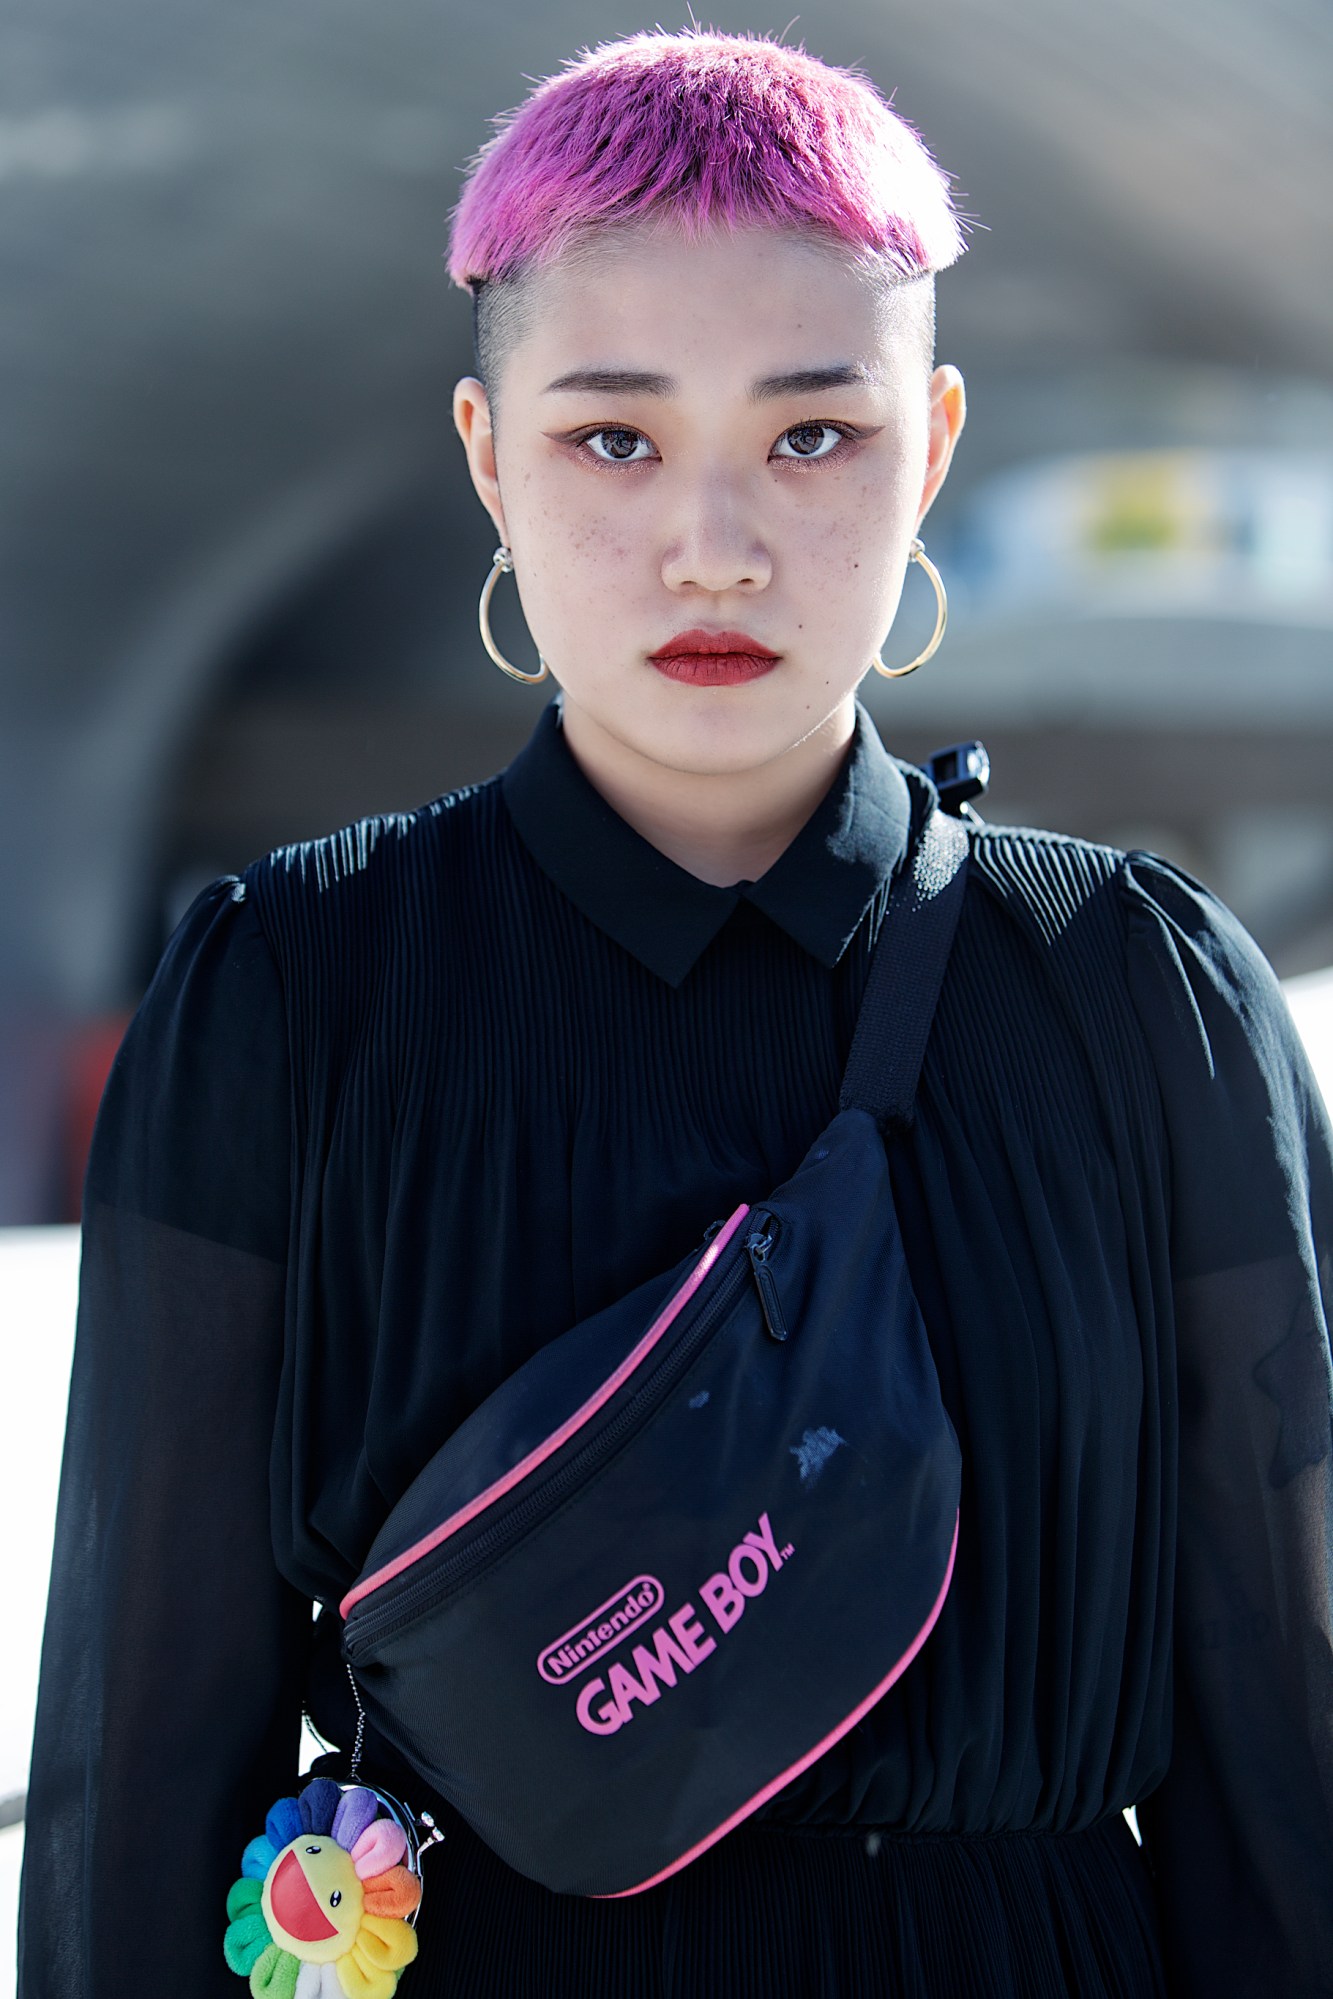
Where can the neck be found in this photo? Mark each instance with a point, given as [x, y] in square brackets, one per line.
[723, 827]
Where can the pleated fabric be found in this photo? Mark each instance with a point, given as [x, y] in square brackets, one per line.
[404, 1103]
[785, 1913]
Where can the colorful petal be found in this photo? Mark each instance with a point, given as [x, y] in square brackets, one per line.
[380, 1847]
[284, 1823]
[259, 1856]
[243, 1894]
[395, 1893]
[385, 1942]
[358, 1810]
[246, 1941]
[360, 1980]
[318, 1981]
[275, 1975]
[317, 1804]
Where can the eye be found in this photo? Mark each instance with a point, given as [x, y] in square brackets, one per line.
[811, 440]
[314, 1849]
[616, 439]
[335, 1898]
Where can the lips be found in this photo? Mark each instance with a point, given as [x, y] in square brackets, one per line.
[698, 643]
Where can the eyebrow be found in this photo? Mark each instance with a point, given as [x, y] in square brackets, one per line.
[639, 382]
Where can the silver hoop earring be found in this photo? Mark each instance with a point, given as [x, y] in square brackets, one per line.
[917, 553]
[502, 564]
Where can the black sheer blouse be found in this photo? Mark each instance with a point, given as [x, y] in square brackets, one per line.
[403, 1103]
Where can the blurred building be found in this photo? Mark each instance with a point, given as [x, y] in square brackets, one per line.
[240, 555]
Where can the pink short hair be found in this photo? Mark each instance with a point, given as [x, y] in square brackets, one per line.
[729, 129]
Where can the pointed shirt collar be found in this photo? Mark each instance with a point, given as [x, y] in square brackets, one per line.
[817, 890]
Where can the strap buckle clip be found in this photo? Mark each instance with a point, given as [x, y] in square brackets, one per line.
[959, 772]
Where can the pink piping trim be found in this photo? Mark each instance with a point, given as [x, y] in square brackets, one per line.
[803, 1762]
[675, 1304]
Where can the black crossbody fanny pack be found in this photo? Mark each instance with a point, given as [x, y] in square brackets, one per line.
[688, 1544]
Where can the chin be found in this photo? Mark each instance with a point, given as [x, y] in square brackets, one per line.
[712, 737]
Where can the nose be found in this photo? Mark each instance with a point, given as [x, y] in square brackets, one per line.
[716, 546]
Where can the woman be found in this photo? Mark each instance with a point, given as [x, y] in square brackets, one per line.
[403, 1104]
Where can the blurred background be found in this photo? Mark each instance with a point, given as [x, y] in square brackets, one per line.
[240, 556]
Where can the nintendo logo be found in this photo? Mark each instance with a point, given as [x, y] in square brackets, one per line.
[626, 1611]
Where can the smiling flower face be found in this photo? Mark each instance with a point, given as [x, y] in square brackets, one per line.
[319, 1911]
[312, 1900]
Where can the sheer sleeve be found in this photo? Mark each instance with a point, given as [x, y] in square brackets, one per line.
[168, 1715]
[1240, 1833]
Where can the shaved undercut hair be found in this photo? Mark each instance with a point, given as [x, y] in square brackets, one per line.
[708, 131]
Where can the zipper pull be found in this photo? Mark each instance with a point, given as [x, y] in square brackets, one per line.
[760, 1247]
[432, 1831]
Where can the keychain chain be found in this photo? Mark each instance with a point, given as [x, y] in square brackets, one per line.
[434, 1834]
[360, 1728]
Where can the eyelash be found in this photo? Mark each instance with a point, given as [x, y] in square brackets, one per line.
[848, 432]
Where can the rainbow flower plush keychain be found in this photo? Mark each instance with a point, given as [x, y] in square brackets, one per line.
[327, 1900]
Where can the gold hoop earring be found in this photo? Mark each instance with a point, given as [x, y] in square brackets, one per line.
[502, 564]
[917, 553]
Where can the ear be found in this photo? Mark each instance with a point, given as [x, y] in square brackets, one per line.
[472, 421]
[948, 413]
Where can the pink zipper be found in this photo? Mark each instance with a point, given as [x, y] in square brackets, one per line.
[584, 1414]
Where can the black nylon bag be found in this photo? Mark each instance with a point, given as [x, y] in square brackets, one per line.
[690, 1542]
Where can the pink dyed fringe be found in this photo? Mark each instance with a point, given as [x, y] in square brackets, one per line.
[719, 129]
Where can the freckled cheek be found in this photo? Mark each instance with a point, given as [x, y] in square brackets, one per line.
[577, 556]
[583, 579]
[842, 578]
[844, 553]
[871, 533]
[576, 562]
[566, 522]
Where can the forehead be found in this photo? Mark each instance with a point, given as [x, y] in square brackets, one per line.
[741, 302]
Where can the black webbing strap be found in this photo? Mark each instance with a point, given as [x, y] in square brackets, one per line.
[906, 972]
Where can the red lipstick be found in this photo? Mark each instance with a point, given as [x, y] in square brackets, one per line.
[713, 659]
